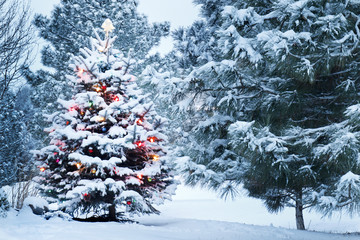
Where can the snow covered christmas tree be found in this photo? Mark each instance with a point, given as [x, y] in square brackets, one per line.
[107, 155]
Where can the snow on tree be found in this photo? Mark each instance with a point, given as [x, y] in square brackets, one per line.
[4, 204]
[265, 106]
[70, 27]
[107, 154]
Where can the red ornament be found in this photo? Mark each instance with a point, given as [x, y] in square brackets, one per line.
[129, 203]
[104, 87]
[91, 150]
[67, 122]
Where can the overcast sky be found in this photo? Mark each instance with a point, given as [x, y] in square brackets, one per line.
[177, 12]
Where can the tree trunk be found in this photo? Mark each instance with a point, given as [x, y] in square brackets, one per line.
[112, 213]
[299, 212]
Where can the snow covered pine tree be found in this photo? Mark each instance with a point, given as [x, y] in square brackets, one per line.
[264, 102]
[106, 160]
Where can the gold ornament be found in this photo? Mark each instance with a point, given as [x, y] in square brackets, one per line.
[107, 26]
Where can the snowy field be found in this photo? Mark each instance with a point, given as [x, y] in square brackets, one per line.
[194, 214]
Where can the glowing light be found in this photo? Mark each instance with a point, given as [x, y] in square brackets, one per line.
[104, 87]
[78, 165]
[42, 169]
[140, 176]
[80, 72]
[155, 158]
[100, 119]
[128, 203]
[139, 143]
[72, 109]
[91, 150]
[116, 98]
[152, 139]
[67, 122]
[93, 171]
[139, 121]
[57, 160]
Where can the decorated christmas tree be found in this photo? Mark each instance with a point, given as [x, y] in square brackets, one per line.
[107, 156]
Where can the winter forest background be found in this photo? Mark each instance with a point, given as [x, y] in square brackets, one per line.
[252, 108]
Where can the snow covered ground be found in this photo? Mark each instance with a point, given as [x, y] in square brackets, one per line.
[194, 214]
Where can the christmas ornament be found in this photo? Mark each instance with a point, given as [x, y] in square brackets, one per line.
[104, 129]
[129, 202]
[91, 150]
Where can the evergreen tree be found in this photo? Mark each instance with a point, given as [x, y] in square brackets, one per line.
[70, 27]
[15, 140]
[4, 204]
[107, 154]
[268, 104]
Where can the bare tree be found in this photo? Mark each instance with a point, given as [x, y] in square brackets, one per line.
[16, 41]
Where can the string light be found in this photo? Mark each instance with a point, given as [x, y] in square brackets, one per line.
[155, 158]
[152, 139]
[78, 165]
[140, 176]
[42, 169]
[93, 171]
[72, 109]
[116, 98]
[139, 144]
[139, 122]
[100, 119]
